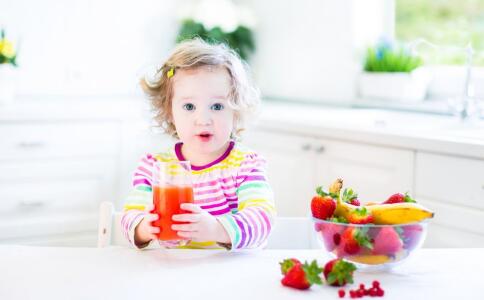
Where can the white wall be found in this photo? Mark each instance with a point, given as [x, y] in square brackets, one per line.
[305, 49]
[87, 46]
[308, 49]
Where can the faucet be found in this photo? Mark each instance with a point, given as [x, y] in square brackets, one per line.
[466, 105]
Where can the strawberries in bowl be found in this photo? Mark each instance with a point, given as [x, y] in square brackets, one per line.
[323, 204]
[374, 236]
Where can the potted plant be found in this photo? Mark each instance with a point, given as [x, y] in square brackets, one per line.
[393, 72]
[240, 39]
[8, 61]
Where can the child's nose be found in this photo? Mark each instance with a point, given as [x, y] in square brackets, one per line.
[204, 117]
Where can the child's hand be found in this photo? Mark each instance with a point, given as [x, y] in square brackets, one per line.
[145, 231]
[203, 226]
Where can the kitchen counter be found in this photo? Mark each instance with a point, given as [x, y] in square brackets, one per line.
[404, 130]
[123, 273]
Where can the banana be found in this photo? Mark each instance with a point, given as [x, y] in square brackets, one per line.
[336, 186]
[383, 214]
[399, 213]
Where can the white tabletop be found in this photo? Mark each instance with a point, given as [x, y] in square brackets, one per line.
[122, 273]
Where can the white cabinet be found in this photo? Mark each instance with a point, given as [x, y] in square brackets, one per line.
[53, 175]
[454, 188]
[374, 172]
[297, 165]
[291, 169]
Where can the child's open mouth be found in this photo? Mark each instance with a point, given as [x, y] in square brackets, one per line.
[205, 136]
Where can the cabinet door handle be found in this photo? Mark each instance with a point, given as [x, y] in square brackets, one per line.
[30, 145]
[306, 147]
[320, 149]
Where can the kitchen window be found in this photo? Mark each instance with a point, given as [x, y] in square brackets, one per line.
[449, 25]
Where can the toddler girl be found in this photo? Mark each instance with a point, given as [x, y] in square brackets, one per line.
[202, 96]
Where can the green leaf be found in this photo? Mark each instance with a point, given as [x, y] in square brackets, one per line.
[313, 272]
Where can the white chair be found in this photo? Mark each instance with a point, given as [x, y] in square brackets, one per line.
[288, 232]
[110, 231]
[292, 233]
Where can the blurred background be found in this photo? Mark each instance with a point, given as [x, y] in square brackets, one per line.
[384, 93]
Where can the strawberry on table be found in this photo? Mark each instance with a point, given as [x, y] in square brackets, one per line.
[302, 276]
[360, 216]
[387, 241]
[399, 198]
[354, 239]
[287, 264]
[323, 205]
[339, 272]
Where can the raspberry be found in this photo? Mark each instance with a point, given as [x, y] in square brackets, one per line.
[362, 286]
[376, 284]
[352, 294]
[380, 293]
[336, 239]
[373, 292]
[341, 293]
[360, 293]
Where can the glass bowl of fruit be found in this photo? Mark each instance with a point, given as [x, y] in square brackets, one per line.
[374, 236]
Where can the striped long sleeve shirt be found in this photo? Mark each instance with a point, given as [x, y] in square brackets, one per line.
[232, 188]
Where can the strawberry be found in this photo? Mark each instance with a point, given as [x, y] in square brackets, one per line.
[410, 235]
[399, 198]
[331, 234]
[339, 272]
[323, 205]
[387, 241]
[287, 264]
[349, 196]
[353, 239]
[302, 276]
[360, 216]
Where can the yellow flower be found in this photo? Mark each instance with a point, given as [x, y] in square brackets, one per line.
[6, 48]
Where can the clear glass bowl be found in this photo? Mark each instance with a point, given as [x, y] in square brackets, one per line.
[386, 246]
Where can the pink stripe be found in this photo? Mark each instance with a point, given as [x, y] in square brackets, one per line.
[251, 178]
[248, 230]
[266, 220]
[253, 224]
[141, 181]
[147, 161]
[214, 205]
[209, 200]
[206, 192]
[259, 221]
[144, 170]
[220, 212]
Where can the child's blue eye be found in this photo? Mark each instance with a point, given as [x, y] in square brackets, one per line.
[217, 106]
[188, 106]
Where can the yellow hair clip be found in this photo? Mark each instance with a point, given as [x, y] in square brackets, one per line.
[170, 73]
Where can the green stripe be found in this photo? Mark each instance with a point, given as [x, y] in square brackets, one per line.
[231, 221]
[261, 184]
[144, 188]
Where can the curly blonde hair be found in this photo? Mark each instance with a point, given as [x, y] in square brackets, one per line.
[244, 97]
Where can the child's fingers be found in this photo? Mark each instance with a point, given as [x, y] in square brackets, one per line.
[153, 229]
[191, 207]
[184, 227]
[151, 217]
[192, 218]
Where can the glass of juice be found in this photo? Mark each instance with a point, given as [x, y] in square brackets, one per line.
[172, 186]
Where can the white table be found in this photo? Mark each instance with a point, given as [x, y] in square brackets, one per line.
[122, 273]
